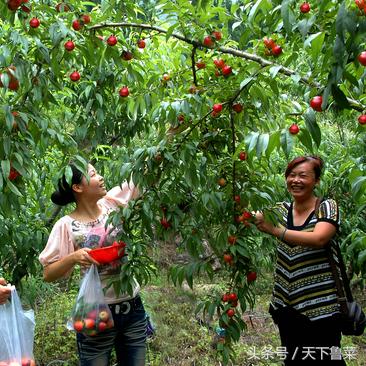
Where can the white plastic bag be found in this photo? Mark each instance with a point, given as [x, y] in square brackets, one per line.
[90, 315]
[17, 332]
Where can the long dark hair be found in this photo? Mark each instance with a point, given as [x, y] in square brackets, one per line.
[315, 161]
[64, 194]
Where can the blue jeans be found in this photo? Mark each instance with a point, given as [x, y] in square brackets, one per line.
[128, 337]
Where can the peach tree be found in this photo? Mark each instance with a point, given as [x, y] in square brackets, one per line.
[201, 102]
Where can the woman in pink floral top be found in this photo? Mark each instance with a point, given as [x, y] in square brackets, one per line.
[70, 240]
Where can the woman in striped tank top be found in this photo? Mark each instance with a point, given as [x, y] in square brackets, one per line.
[304, 300]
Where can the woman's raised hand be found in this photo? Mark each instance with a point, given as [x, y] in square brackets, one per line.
[262, 224]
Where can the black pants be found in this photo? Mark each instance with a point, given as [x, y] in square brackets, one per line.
[308, 342]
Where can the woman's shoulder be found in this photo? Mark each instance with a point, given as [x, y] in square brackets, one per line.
[328, 209]
[62, 221]
[328, 204]
[328, 201]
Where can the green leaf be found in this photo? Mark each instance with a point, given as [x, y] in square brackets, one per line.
[287, 16]
[287, 142]
[211, 310]
[251, 141]
[243, 251]
[236, 25]
[340, 98]
[259, 4]
[13, 188]
[305, 25]
[5, 167]
[351, 78]
[262, 144]
[339, 50]
[7, 145]
[170, 31]
[68, 175]
[99, 98]
[43, 50]
[316, 41]
[305, 138]
[235, 332]
[361, 258]
[273, 71]
[312, 126]
[358, 187]
[274, 142]
[341, 20]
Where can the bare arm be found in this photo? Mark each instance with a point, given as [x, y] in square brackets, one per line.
[60, 268]
[323, 232]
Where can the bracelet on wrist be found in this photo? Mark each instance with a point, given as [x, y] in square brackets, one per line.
[282, 237]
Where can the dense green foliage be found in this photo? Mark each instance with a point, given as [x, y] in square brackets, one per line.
[168, 133]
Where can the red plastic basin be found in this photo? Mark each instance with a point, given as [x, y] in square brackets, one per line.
[108, 254]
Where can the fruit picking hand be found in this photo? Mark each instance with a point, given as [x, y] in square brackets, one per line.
[82, 257]
[263, 225]
[4, 291]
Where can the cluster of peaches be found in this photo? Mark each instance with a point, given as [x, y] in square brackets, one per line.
[93, 321]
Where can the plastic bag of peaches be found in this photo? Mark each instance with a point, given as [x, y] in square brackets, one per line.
[17, 333]
[90, 315]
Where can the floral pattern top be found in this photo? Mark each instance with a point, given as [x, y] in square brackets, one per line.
[69, 235]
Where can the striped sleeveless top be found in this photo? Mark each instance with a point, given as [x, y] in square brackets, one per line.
[303, 277]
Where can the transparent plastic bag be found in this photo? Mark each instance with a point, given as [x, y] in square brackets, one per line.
[90, 315]
[17, 332]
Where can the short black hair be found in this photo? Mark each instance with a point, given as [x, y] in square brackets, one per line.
[316, 161]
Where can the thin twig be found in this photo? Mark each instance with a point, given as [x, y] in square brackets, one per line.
[354, 104]
[194, 65]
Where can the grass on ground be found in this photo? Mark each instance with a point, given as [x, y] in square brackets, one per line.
[181, 339]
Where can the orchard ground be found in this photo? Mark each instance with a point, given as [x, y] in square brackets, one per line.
[182, 338]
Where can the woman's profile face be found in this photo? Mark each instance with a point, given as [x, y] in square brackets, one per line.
[93, 186]
[301, 180]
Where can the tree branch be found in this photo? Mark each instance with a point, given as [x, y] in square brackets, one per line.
[354, 104]
[194, 65]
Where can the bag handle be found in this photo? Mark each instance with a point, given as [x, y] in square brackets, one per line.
[342, 283]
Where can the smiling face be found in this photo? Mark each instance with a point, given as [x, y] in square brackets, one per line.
[301, 181]
[94, 189]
